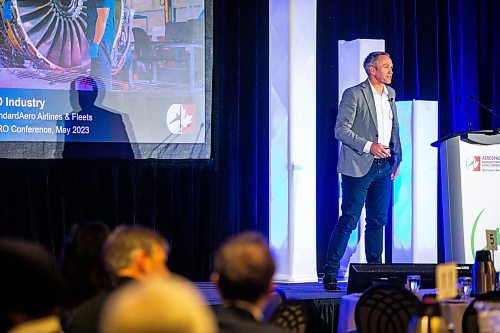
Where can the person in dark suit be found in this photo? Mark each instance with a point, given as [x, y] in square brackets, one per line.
[367, 126]
[243, 271]
[130, 254]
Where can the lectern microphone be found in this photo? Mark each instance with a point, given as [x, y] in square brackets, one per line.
[482, 105]
[490, 111]
[469, 122]
[472, 97]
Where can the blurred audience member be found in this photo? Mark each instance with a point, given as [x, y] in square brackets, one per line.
[82, 263]
[243, 271]
[32, 290]
[157, 305]
[130, 253]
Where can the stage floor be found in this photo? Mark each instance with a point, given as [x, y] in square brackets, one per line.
[296, 291]
[323, 306]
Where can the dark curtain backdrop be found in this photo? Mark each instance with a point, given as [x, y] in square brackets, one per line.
[442, 50]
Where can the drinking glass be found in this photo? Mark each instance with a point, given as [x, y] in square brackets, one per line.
[464, 287]
[413, 282]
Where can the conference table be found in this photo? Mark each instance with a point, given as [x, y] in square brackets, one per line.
[451, 310]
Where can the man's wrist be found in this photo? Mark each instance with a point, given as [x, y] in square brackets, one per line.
[366, 148]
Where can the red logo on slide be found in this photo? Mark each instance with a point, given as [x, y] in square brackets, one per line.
[477, 163]
[180, 118]
[190, 112]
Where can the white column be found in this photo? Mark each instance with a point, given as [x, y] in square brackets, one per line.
[415, 190]
[292, 138]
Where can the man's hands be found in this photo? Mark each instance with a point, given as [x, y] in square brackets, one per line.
[379, 150]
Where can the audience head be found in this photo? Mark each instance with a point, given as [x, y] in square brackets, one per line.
[82, 263]
[157, 305]
[31, 287]
[136, 252]
[244, 268]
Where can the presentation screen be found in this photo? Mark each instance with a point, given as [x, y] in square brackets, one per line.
[105, 79]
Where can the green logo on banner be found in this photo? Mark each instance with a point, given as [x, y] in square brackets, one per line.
[473, 233]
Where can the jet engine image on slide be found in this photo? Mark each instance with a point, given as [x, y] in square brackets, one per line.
[40, 35]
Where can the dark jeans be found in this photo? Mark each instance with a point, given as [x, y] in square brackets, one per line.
[374, 191]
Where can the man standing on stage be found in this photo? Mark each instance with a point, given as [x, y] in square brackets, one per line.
[367, 125]
[100, 35]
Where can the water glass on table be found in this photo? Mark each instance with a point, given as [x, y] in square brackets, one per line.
[464, 287]
[413, 282]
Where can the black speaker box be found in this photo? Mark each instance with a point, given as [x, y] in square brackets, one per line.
[363, 276]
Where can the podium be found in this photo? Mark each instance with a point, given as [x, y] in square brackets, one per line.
[470, 182]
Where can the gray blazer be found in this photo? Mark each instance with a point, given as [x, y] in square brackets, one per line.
[356, 124]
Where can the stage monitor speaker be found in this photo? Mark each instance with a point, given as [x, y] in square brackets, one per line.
[363, 276]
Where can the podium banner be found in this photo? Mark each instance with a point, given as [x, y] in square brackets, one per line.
[480, 185]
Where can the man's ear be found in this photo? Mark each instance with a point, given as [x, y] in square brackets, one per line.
[214, 277]
[140, 260]
[372, 70]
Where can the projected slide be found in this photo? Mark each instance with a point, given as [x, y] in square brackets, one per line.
[106, 72]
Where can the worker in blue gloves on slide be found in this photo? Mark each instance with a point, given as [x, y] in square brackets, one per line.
[100, 35]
